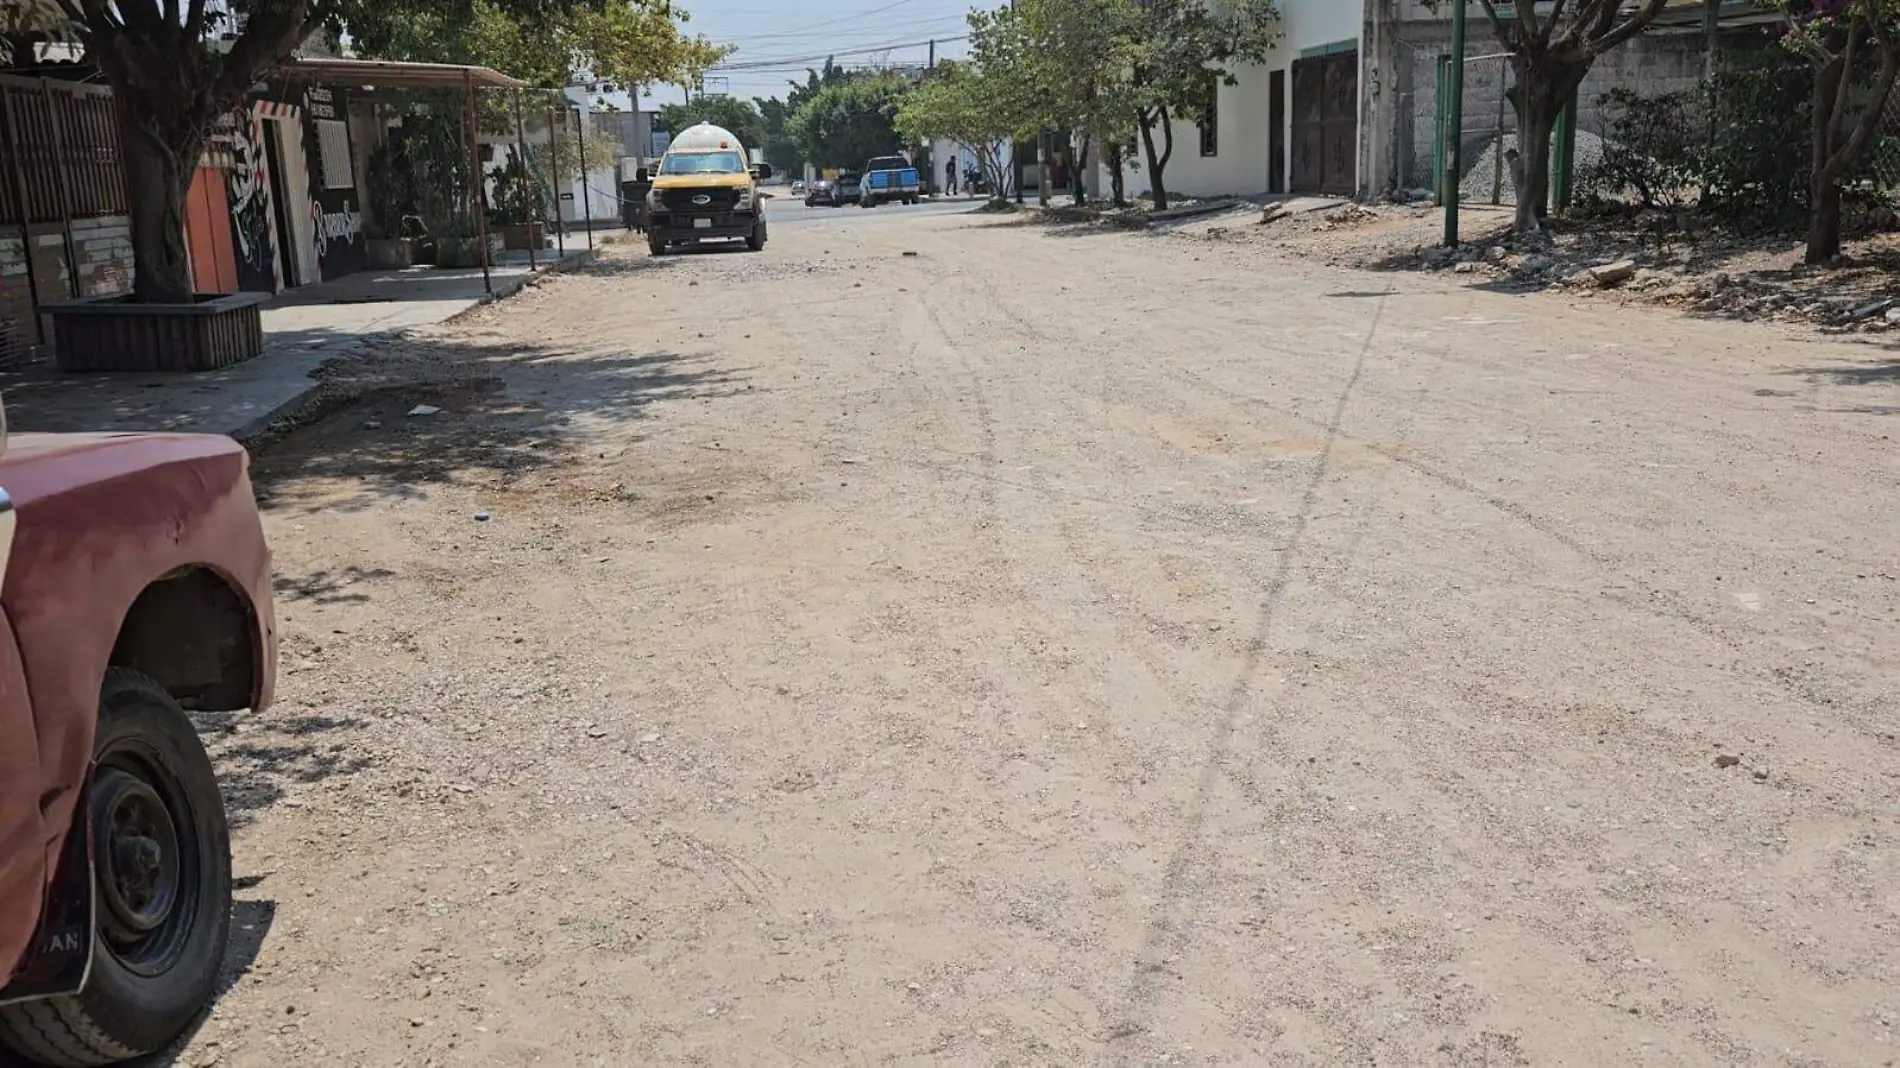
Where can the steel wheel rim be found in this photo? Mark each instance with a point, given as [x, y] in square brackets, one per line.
[146, 862]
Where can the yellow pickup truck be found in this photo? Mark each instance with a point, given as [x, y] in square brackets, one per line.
[706, 188]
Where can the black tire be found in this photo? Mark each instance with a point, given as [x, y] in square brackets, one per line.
[755, 241]
[656, 247]
[161, 921]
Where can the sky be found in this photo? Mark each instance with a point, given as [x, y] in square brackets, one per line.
[779, 39]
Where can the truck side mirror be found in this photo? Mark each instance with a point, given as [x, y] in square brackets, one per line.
[762, 171]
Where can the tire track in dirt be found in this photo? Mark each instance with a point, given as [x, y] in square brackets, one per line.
[1165, 935]
[1660, 603]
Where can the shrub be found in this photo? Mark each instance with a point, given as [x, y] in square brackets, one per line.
[1755, 171]
[1649, 150]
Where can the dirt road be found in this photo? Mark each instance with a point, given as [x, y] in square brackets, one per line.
[1066, 647]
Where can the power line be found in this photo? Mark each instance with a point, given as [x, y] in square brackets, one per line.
[854, 16]
[781, 61]
[924, 26]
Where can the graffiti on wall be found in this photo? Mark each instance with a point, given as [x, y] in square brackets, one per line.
[328, 226]
[249, 194]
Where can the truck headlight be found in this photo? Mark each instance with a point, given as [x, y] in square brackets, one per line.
[653, 200]
[744, 201]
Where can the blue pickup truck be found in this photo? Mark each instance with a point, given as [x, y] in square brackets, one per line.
[889, 178]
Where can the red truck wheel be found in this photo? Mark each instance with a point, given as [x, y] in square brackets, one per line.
[162, 878]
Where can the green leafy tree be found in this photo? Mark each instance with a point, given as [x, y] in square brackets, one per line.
[845, 124]
[177, 66]
[815, 81]
[1551, 48]
[971, 107]
[1854, 46]
[551, 44]
[1181, 50]
[780, 150]
[734, 114]
[1078, 58]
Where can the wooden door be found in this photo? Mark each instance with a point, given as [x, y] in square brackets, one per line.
[1326, 124]
[208, 233]
[1276, 132]
[1307, 109]
[1339, 124]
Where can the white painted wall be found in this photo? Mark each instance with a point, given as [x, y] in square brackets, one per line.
[303, 236]
[1242, 163]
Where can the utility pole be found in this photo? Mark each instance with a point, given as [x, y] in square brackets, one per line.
[933, 54]
[1455, 123]
[587, 191]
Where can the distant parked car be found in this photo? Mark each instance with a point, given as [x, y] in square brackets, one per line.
[888, 179]
[833, 192]
[798, 188]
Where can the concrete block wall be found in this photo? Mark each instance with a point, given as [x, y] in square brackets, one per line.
[16, 303]
[103, 247]
[1660, 61]
[37, 264]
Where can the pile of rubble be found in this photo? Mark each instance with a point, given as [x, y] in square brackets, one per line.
[1839, 299]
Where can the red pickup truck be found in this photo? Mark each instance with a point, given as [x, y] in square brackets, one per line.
[134, 586]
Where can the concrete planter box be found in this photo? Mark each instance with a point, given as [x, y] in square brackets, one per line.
[393, 253]
[114, 334]
[465, 251]
[526, 235]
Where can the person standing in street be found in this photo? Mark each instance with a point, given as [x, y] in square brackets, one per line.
[950, 178]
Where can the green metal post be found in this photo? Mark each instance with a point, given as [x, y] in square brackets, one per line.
[1455, 123]
[1438, 137]
[1566, 152]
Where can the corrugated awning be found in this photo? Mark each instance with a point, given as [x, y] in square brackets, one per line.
[390, 74]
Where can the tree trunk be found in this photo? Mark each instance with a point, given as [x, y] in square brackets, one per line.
[1077, 169]
[1824, 225]
[1156, 164]
[1117, 193]
[1538, 98]
[160, 149]
[1824, 188]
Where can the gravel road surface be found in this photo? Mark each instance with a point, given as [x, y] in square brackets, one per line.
[943, 639]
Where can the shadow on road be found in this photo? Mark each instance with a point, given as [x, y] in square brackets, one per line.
[251, 923]
[1877, 373]
[425, 412]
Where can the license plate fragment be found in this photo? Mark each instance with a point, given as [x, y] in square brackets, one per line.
[702, 224]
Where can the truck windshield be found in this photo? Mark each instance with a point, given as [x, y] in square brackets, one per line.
[701, 163]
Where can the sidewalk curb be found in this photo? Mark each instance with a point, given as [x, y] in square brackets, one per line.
[259, 425]
[577, 258]
[311, 395]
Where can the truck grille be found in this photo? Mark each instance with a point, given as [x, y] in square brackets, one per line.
[682, 199]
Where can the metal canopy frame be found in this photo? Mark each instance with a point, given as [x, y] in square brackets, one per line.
[371, 75]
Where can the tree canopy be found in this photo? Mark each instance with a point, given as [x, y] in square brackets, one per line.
[1183, 49]
[972, 108]
[177, 66]
[847, 123]
[610, 44]
[731, 112]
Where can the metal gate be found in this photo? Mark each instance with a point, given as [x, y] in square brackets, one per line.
[1326, 123]
[59, 177]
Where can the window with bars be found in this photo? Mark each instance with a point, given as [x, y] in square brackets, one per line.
[333, 154]
[1209, 117]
